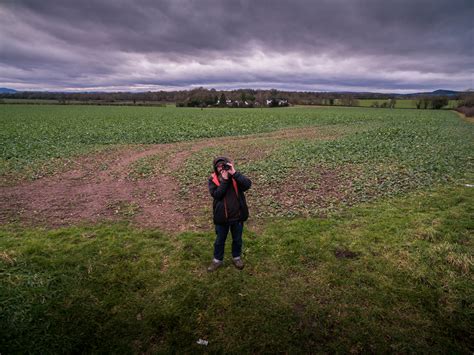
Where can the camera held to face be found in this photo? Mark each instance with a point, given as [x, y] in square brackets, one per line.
[226, 167]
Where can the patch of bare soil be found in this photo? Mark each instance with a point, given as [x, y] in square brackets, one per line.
[464, 117]
[345, 254]
[98, 188]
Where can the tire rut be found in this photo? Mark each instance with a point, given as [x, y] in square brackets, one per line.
[83, 195]
[100, 188]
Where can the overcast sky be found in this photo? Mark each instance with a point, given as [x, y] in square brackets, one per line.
[330, 45]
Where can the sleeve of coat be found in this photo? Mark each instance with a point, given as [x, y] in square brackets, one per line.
[243, 181]
[218, 192]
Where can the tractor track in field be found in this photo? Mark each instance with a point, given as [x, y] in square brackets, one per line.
[99, 188]
[88, 194]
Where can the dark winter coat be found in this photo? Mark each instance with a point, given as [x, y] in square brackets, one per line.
[223, 195]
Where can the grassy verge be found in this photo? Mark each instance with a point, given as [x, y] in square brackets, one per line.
[395, 276]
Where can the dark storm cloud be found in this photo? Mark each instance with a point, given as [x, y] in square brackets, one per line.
[311, 44]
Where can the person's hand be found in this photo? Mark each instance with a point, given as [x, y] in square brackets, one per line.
[232, 169]
[225, 174]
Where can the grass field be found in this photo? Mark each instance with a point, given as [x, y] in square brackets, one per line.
[360, 238]
[390, 277]
[405, 103]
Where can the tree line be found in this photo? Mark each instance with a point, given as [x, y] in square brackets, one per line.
[466, 105]
[203, 97]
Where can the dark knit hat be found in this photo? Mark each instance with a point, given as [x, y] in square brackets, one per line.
[219, 159]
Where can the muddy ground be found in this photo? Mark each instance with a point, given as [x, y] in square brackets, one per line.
[99, 187]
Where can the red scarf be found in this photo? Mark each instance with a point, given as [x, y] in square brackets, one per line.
[215, 180]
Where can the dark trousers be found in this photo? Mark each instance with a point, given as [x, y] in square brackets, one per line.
[222, 230]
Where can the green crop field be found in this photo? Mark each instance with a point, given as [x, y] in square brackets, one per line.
[32, 134]
[360, 236]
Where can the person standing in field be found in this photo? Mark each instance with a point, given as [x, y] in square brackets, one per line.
[230, 211]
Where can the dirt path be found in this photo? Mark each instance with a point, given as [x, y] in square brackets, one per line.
[464, 117]
[87, 194]
[100, 188]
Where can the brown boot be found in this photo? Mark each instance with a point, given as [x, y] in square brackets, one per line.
[238, 263]
[214, 266]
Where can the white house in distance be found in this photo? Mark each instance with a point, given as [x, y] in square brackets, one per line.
[280, 102]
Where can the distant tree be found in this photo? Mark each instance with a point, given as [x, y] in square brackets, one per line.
[222, 100]
[260, 97]
[349, 100]
[466, 105]
[273, 103]
[467, 100]
[422, 102]
[426, 103]
[391, 103]
[439, 102]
